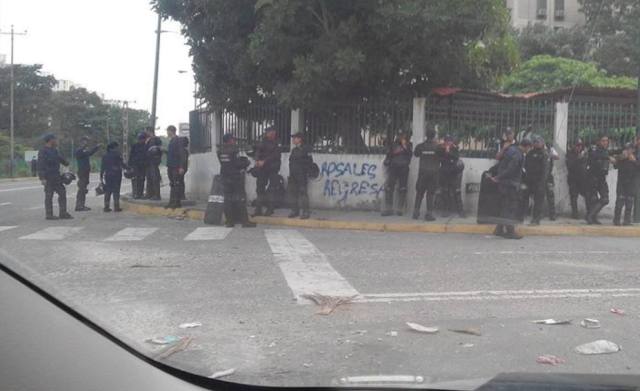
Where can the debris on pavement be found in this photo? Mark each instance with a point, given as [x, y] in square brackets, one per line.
[307, 365]
[549, 359]
[466, 345]
[175, 348]
[422, 329]
[617, 311]
[391, 333]
[552, 321]
[166, 340]
[468, 330]
[190, 325]
[360, 332]
[222, 373]
[328, 303]
[601, 346]
[272, 344]
[589, 323]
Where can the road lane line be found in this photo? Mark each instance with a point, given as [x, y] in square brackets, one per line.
[304, 267]
[5, 203]
[52, 233]
[209, 233]
[131, 234]
[21, 188]
[7, 227]
[35, 207]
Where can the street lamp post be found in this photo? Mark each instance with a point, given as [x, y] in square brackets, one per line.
[155, 74]
[11, 104]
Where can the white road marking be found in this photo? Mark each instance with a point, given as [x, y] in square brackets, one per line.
[304, 267]
[7, 227]
[209, 233]
[131, 234]
[21, 188]
[551, 252]
[5, 203]
[53, 233]
[497, 295]
[36, 207]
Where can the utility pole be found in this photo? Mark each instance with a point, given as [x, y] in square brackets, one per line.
[11, 104]
[155, 74]
[125, 130]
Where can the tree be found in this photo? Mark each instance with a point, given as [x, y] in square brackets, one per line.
[305, 53]
[545, 73]
[538, 39]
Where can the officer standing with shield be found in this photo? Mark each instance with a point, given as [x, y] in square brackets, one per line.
[49, 161]
[232, 170]
[598, 161]
[576, 175]
[137, 159]
[153, 157]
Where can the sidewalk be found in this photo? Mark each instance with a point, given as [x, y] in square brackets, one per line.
[372, 221]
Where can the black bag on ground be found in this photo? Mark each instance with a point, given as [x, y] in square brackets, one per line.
[215, 204]
[278, 191]
[488, 199]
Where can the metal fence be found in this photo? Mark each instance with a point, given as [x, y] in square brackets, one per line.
[478, 122]
[200, 126]
[590, 119]
[357, 128]
[249, 123]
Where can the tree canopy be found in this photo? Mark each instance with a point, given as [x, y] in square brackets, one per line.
[304, 53]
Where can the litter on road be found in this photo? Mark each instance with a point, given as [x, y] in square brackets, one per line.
[166, 340]
[552, 321]
[222, 373]
[617, 311]
[177, 347]
[601, 346]
[328, 303]
[469, 330]
[422, 329]
[549, 359]
[466, 345]
[589, 323]
[392, 333]
[190, 325]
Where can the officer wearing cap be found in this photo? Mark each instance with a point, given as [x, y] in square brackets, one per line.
[49, 161]
[83, 160]
[111, 176]
[232, 169]
[397, 163]
[153, 157]
[576, 161]
[300, 161]
[137, 159]
[598, 161]
[450, 177]
[508, 178]
[636, 201]
[175, 167]
[268, 160]
[430, 155]
[627, 167]
[536, 169]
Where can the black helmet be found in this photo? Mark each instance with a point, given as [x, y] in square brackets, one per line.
[128, 173]
[100, 189]
[67, 178]
[314, 171]
[244, 162]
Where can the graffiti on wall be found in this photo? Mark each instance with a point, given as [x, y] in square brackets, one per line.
[346, 181]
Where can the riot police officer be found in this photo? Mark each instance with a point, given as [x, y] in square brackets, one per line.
[450, 177]
[508, 138]
[49, 161]
[111, 176]
[576, 160]
[232, 168]
[300, 161]
[598, 161]
[153, 157]
[137, 158]
[185, 165]
[175, 167]
[636, 201]
[536, 169]
[508, 178]
[430, 155]
[550, 183]
[83, 156]
[627, 167]
[268, 160]
[397, 162]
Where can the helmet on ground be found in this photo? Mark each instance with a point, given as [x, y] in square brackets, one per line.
[67, 178]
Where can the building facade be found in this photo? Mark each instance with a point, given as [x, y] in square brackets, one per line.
[552, 13]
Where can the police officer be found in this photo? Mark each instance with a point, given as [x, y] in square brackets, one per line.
[34, 166]
[267, 155]
[627, 166]
[83, 160]
[185, 165]
[232, 168]
[111, 176]
[598, 161]
[137, 159]
[300, 161]
[397, 161]
[175, 167]
[430, 155]
[636, 201]
[550, 183]
[450, 177]
[508, 138]
[49, 161]
[576, 160]
[153, 157]
[536, 169]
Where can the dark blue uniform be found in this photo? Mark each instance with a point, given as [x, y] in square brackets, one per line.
[576, 178]
[83, 159]
[267, 175]
[232, 169]
[625, 189]
[450, 178]
[111, 176]
[137, 159]
[49, 161]
[536, 169]
[598, 189]
[175, 170]
[397, 162]
[153, 157]
[430, 155]
[300, 161]
[509, 179]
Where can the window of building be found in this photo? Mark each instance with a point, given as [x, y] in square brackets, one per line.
[541, 9]
[559, 10]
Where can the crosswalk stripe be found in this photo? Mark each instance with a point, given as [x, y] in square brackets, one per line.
[52, 233]
[131, 234]
[208, 233]
[304, 267]
[6, 227]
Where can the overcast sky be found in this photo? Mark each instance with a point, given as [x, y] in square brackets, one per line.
[106, 46]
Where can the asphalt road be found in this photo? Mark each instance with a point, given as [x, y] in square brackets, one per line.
[141, 277]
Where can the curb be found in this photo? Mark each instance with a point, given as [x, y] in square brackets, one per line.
[549, 230]
[20, 179]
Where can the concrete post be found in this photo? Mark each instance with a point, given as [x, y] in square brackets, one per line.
[297, 121]
[418, 130]
[560, 137]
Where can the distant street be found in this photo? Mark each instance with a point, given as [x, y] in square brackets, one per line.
[141, 277]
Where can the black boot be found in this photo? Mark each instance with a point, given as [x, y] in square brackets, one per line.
[574, 208]
[627, 210]
[499, 231]
[294, 213]
[511, 233]
[594, 213]
[305, 215]
[116, 203]
[107, 201]
[243, 216]
[416, 207]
